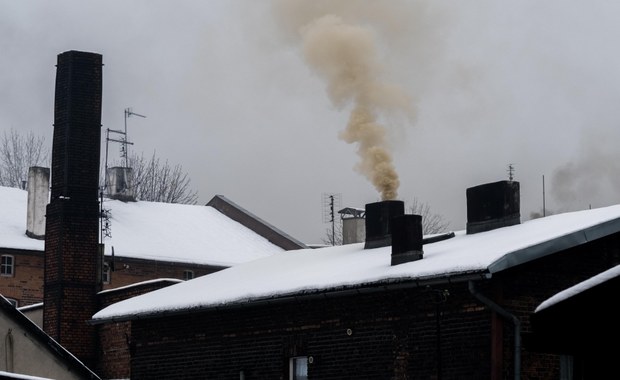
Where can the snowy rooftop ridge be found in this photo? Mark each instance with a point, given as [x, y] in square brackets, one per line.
[351, 266]
[151, 230]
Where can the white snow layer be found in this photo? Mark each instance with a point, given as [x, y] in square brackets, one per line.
[152, 230]
[580, 287]
[311, 270]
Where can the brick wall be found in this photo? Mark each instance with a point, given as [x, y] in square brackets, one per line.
[130, 271]
[26, 284]
[114, 338]
[375, 336]
[396, 334]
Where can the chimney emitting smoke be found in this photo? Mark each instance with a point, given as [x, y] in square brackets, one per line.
[378, 222]
[346, 56]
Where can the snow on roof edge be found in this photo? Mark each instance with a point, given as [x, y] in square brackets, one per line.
[335, 291]
[351, 266]
[579, 288]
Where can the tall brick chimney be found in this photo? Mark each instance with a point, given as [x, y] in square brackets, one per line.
[72, 259]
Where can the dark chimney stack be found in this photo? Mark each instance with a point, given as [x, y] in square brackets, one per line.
[72, 258]
[406, 239]
[378, 222]
[493, 205]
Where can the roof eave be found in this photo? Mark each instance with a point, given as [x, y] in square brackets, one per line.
[340, 291]
[558, 244]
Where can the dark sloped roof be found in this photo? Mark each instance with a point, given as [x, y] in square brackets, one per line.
[256, 224]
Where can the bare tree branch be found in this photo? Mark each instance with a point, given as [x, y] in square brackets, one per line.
[160, 182]
[431, 223]
[17, 154]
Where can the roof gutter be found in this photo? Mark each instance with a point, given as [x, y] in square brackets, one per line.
[511, 317]
[317, 294]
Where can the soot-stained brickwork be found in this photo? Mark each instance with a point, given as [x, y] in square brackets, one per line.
[72, 260]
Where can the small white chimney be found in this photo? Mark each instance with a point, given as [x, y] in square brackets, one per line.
[353, 225]
[120, 183]
[38, 197]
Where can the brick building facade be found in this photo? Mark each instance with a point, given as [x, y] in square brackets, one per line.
[459, 310]
[407, 331]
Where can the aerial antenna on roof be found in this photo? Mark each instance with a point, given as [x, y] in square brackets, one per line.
[124, 148]
[331, 201]
[511, 172]
[120, 137]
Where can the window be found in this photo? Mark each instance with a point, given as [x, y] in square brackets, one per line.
[188, 275]
[299, 368]
[106, 273]
[6, 265]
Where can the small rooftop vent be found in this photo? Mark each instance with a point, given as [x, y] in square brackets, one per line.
[493, 205]
[120, 184]
[353, 225]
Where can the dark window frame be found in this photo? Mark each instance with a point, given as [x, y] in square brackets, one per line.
[7, 269]
[188, 274]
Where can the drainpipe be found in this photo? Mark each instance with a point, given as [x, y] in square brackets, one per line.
[499, 310]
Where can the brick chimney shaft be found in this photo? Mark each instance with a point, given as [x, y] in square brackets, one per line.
[72, 259]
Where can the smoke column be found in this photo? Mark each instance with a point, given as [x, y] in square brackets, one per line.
[591, 178]
[345, 55]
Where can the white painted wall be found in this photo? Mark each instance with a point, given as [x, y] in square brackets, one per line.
[24, 354]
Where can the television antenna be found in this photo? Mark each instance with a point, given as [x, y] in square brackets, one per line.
[331, 201]
[511, 171]
[124, 148]
[120, 137]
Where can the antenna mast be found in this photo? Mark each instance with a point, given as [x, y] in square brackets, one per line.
[543, 194]
[511, 172]
[331, 201]
[124, 148]
[121, 138]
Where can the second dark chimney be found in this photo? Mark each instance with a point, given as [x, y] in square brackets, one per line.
[406, 239]
[493, 205]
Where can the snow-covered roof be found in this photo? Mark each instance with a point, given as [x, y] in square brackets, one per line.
[579, 288]
[152, 230]
[13, 203]
[351, 266]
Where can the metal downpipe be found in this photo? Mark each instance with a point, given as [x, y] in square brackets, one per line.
[501, 311]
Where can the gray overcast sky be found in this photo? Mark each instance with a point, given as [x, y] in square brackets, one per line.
[230, 95]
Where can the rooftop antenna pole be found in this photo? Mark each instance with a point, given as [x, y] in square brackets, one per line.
[511, 172]
[333, 201]
[331, 212]
[124, 148]
[544, 208]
